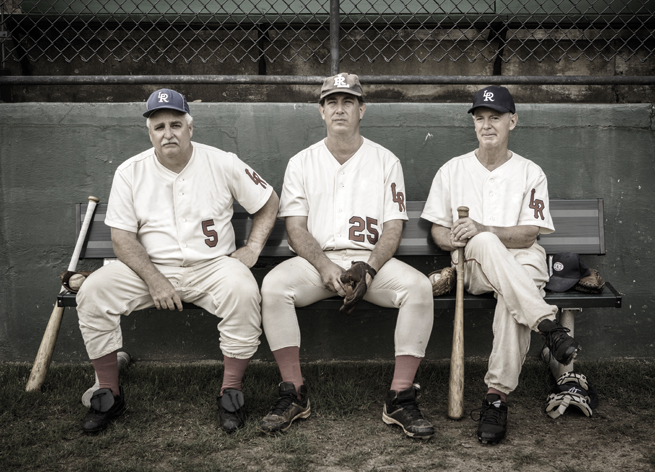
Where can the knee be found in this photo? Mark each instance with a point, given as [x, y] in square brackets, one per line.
[485, 242]
[273, 288]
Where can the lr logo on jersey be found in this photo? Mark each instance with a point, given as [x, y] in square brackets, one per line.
[488, 96]
[256, 178]
[398, 197]
[340, 82]
[163, 97]
[537, 205]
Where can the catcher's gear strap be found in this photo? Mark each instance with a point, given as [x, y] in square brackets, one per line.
[571, 390]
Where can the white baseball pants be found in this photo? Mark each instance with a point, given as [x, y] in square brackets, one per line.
[295, 282]
[517, 276]
[223, 286]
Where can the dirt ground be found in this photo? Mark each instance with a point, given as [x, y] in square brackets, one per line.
[611, 440]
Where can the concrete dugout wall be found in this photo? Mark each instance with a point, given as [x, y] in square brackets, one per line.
[54, 155]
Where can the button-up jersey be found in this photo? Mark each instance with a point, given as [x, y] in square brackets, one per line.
[514, 194]
[346, 205]
[184, 219]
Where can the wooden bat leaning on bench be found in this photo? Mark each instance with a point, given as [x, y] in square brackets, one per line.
[47, 347]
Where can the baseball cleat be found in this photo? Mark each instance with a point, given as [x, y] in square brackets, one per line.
[562, 346]
[104, 408]
[401, 408]
[123, 361]
[230, 410]
[492, 420]
[287, 409]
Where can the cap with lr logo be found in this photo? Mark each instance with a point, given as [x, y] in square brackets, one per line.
[488, 96]
[163, 97]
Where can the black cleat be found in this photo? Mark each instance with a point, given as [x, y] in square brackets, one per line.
[562, 346]
[230, 410]
[401, 408]
[104, 408]
[492, 420]
[287, 408]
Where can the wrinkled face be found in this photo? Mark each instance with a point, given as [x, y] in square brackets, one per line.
[341, 112]
[170, 134]
[492, 127]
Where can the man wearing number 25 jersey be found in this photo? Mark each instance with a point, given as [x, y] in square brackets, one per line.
[170, 211]
[343, 200]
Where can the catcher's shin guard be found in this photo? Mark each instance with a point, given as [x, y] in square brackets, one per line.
[571, 390]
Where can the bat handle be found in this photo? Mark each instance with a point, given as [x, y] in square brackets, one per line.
[463, 211]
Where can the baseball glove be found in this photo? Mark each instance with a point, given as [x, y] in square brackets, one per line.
[355, 282]
[443, 281]
[593, 283]
[72, 281]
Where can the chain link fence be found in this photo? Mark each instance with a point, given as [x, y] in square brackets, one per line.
[325, 31]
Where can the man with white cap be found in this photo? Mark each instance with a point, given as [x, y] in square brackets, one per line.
[507, 197]
[343, 201]
[170, 211]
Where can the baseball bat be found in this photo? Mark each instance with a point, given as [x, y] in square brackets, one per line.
[456, 385]
[47, 347]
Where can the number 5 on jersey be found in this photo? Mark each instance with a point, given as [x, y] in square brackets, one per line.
[212, 235]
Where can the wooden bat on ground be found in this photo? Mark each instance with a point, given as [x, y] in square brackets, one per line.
[44, 356]
[456, 386]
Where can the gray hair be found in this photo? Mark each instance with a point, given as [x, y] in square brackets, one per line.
[187, 117]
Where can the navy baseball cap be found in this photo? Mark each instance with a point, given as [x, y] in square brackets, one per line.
[166, 99]
[567, 270]
[496, 98]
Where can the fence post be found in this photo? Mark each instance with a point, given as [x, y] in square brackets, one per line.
[334, 37]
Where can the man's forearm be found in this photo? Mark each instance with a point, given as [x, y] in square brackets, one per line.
[388, 244]
[307, 247]
[263, 223]
[132, 253]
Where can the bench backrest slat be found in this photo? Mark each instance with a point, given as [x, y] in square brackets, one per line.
[578, 223]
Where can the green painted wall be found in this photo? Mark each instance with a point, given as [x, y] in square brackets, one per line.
[54, 155]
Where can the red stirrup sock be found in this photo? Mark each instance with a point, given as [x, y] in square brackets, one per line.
[404, 372]
[288, 361]
[233, 372]
[107, 371]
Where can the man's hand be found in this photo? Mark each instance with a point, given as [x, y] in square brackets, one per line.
[331, 277]
[163, 294]
[246, 255]
[463, 230]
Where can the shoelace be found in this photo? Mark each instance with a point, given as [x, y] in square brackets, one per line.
[487, 414]
[237, 411]
[412, 410]
[101, 394]
[283, 403]
[556, 336]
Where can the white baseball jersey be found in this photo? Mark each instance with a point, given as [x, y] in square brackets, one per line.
[346, 205]
[184, 219]
[514, 194]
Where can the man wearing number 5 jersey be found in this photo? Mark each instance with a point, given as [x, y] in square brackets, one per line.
[343, 200]
[170, 211]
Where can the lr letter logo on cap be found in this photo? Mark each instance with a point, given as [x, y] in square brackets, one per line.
[163, 97]
[340, 82]
[488, 96]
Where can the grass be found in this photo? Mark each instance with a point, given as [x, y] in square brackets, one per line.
[172, 420]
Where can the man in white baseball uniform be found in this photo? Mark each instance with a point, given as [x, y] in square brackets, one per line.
[343, 201]
[170, 211]
[507, 197]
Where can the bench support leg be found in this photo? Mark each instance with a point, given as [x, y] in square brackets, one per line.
[567, 319]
